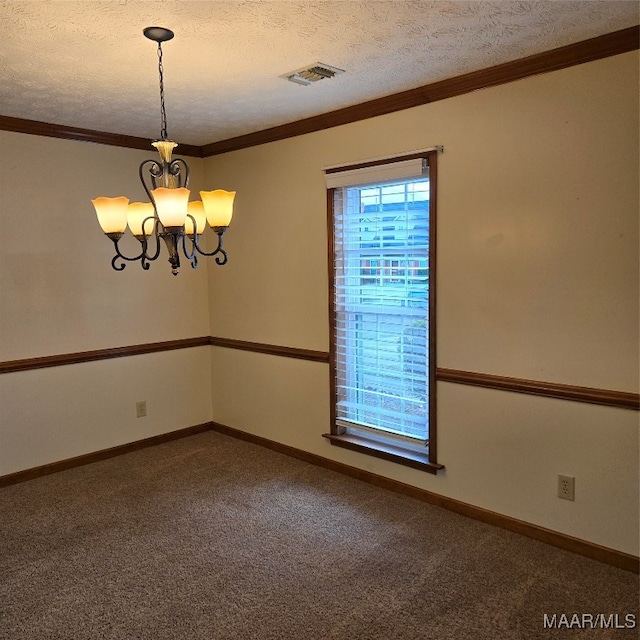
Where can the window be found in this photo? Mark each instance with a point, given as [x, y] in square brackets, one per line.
[382, 261]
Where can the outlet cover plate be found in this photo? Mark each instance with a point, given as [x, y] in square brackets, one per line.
[141, 409]
[566, 487]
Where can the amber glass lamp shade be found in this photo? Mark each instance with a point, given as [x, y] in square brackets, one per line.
[218, 205]
[171, 205]
[137, 213]
[112, 213]
[196, 209]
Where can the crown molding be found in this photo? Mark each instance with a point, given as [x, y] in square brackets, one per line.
[604, 46]
[50, 130]
[585, 51]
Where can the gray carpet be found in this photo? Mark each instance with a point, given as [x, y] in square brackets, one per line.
[210, 537]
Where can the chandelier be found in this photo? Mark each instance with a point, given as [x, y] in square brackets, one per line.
[168, 214]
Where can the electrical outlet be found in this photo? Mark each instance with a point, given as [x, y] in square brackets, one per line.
[141, 409]
[566, 487]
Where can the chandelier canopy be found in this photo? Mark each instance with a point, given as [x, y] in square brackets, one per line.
[169, 214]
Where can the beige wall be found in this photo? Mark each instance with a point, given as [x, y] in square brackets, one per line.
[537, 278]
[54, 414]
[59, 294]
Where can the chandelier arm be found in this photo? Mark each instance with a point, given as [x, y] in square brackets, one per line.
[193, 237]
[192, 257]
[222, 259]
[121, 256]
[154, 235]
[144, 260]
[114, 266]
[202, 252]
[175, 169]
[218, 251]
[155, 171]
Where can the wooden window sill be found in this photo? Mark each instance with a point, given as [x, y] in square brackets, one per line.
[393, 452]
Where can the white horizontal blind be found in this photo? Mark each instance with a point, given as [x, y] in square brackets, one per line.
[381, 282]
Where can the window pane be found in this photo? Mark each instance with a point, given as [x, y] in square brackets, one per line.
[382, 293]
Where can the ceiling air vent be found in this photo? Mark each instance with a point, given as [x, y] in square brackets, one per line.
[312, 73]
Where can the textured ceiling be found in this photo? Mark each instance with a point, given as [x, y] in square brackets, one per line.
[87, 64]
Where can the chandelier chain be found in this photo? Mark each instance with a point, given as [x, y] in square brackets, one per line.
[163, 113]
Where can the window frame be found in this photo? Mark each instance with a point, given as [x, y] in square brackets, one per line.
[388, 448]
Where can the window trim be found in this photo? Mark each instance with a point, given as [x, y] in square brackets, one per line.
[338, 436]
